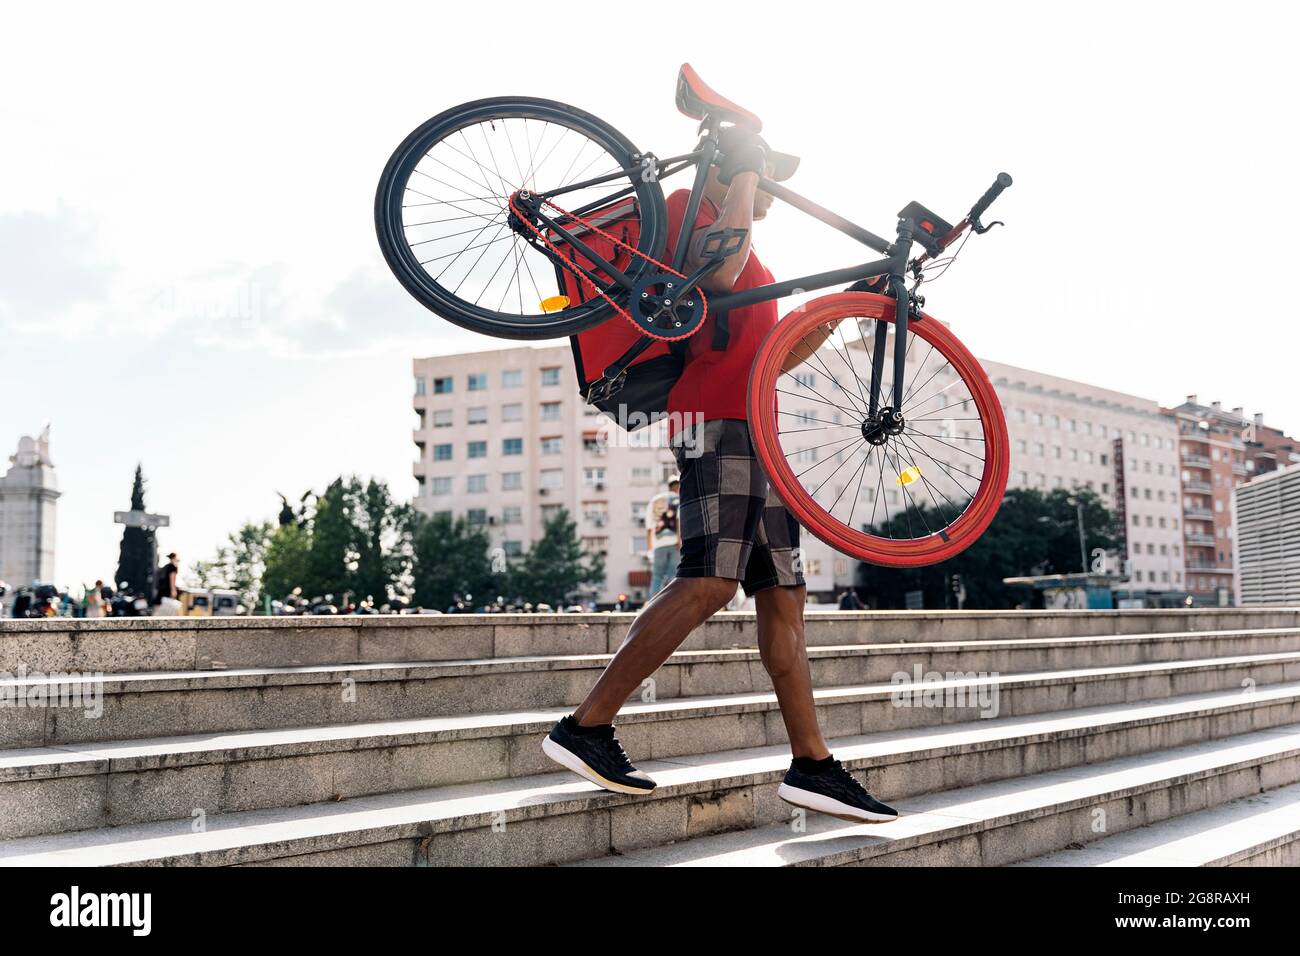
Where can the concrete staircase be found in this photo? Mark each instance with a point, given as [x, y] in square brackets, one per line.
[1029, 738]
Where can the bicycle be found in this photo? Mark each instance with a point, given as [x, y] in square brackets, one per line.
[476, 169]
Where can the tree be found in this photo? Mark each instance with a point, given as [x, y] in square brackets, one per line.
[554, 567]
[382, 541]
[1033, 533]
[450, 558]
[285, 564]
[238, 564]
[135, 561]
[332, 553]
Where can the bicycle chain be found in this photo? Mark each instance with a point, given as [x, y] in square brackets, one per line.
[527, 221]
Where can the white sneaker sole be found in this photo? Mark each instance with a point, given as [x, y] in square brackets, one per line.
[821, 803]
[571, 761]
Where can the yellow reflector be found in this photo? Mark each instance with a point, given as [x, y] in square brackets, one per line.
[555, 303]
[909, 475]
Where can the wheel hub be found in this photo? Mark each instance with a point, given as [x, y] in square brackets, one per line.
[885, 423]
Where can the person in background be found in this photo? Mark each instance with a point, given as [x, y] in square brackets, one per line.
[95, 600]
[662, 537]
[167, 586]
[849, 601]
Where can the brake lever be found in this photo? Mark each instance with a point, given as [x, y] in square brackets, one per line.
[979, 228]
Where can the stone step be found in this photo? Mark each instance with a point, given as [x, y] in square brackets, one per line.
[1009, 821]
[243, 787]
[130, 645]
[1259, 830]
[135, 706]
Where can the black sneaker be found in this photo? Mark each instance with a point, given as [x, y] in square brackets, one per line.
[834, 791]
[595, 753]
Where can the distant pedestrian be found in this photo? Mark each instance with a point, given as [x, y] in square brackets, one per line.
[167, 600]
[662, 537]
[849, 601]
[95, 601]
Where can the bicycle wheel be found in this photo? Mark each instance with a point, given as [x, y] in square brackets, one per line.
[901, 493]
[441, 212]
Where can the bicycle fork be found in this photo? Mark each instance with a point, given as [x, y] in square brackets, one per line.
[889, 419]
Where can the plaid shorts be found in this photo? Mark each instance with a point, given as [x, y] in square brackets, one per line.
[732, 523]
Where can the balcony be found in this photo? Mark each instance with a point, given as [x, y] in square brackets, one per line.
[1238, 468]
[1195, 435]
[1195, 484]
[1194, 511]
[1198, 565]
[1196, 539]
[1196, 461]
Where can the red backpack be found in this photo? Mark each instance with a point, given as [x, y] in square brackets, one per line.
[635, 392]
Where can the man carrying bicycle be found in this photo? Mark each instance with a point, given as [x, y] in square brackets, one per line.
[734, 529]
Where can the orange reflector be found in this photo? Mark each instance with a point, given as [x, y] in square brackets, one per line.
[909, 475]
[555, 303]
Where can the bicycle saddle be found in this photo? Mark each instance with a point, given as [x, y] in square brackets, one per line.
[696, 98]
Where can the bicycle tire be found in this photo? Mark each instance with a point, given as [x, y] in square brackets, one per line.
[843, 536]
[417, 281]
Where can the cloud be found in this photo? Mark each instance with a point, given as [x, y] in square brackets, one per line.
[50, 265]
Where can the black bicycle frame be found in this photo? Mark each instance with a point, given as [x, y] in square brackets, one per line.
[894, 264]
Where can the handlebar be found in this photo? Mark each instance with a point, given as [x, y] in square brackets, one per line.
[1001, 183]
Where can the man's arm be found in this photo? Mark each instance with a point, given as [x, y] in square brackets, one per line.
[737, 213]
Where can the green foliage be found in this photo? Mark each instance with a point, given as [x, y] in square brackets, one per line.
[286, 559]
[450, 558]
[1033, 533]
[135, 561]
[554, 568]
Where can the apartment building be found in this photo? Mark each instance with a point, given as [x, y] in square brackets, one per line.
[1212, 462]
[1065, 434]
[1268, 448]
[504, 439]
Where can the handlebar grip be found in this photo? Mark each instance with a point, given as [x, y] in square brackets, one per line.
[1001, 183]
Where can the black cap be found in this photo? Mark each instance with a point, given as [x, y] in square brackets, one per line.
[783, 164]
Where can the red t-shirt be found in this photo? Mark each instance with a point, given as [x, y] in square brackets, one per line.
[714, 381]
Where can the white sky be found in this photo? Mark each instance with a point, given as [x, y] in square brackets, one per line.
[189, 276]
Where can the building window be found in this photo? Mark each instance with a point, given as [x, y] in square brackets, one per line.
[512, 549]
[477, 415]
[552, 446]
[478, 449]
[594, 476]
[476, 484]
[807, 379]
[550, 512]
[514, 412]
[512, 446]
[512, 515]
[476, 516]
[512, 378]
[595, 545]
[512, 480]
[440, 486]
[419, 386]
[551, 375]
[478, 381]
[442, 418]
[442, 385]
[1021, 446]
[552, 478]
[442, 452]
[551, 411]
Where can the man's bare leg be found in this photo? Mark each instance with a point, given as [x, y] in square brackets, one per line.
[785, 656]
[658, 630]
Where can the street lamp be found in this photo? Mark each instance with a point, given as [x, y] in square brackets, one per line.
[1083, 549]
